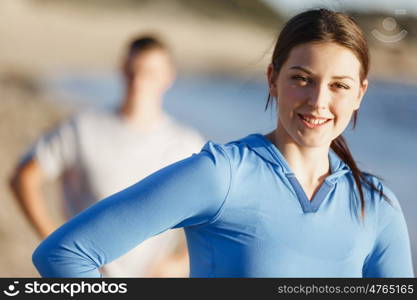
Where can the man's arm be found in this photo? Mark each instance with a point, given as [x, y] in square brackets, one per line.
[26, 186]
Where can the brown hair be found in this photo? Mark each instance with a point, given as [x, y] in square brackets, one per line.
[323, 25]
[137, 46]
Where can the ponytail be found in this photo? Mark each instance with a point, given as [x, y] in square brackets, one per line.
[340, 147]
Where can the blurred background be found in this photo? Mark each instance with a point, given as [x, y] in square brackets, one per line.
[61, 56]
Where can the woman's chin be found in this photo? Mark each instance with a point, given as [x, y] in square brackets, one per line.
[313, 142]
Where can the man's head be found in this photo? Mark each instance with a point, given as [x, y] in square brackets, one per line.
[148, 66]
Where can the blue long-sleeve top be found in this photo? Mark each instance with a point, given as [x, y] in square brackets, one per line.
[245, 215]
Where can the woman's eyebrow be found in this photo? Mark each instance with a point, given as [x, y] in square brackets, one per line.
[343, 76]
[306, 70]
[302, 69]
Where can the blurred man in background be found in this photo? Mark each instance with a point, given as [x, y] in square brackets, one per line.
[96, 154]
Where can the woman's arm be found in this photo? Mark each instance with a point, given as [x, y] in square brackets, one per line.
[391, 254]
[189, 192]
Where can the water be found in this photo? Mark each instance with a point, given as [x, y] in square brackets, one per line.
[221, 108]
[224, 108]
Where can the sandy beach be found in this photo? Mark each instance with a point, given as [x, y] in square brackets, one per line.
[46, 36]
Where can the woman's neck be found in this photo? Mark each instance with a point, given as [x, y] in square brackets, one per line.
[309, 164]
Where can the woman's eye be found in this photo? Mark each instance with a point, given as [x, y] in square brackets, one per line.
[303, 80]
[341, 86]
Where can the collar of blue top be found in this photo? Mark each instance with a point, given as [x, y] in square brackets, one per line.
[268, 151]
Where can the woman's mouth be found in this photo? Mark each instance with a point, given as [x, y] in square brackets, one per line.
[313, 122]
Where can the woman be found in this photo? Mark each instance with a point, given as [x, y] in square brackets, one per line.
[289, 204]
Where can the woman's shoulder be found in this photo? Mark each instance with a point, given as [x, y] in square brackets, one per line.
[235, 150]
[381, 185]
[383, 201]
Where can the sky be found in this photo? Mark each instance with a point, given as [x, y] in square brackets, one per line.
[390, 7]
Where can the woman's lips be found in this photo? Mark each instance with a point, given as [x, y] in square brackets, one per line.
[312, 122]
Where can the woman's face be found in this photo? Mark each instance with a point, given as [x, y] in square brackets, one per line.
[318, 88]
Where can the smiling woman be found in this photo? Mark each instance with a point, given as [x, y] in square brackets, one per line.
[281, 205]
[319, 68]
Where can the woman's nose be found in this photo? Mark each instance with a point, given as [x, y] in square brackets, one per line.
[319, 97]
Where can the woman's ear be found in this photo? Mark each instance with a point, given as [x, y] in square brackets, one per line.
[362, 91]
[271, 74]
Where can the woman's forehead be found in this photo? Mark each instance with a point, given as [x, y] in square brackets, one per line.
[324, 58]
